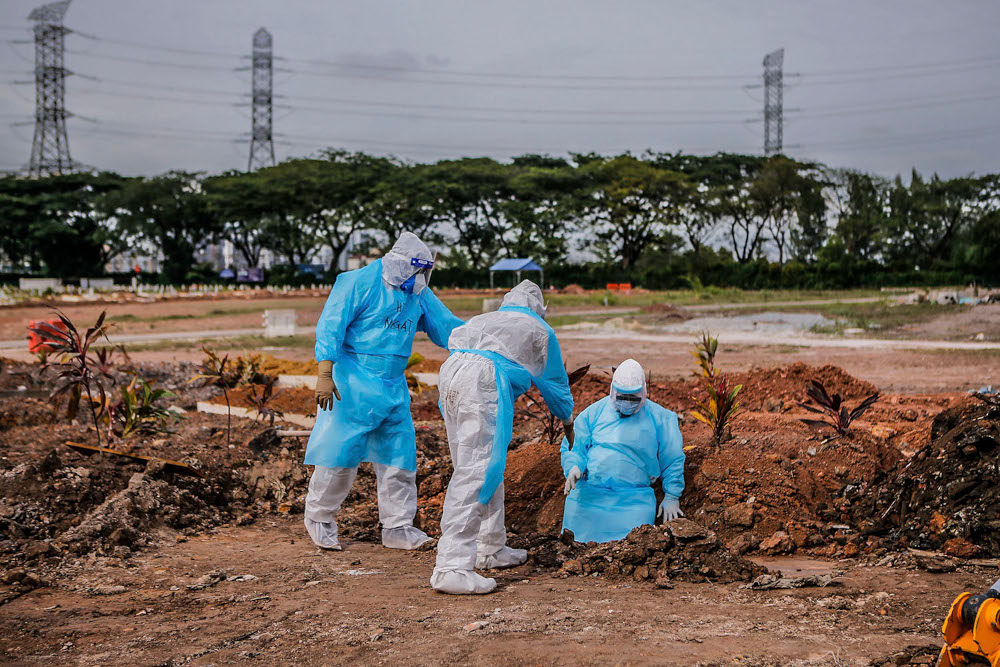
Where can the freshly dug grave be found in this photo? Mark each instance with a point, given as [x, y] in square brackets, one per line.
[777, 485]
[945, 497]
[680, 550]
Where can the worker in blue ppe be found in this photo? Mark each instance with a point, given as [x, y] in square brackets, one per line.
[495, 357]
[363, 342]
[624, 442]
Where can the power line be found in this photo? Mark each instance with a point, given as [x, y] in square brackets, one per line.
[547, 76]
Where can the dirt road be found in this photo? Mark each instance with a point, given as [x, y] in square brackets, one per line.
[373, 605]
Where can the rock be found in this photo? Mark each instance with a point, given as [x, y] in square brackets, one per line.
[739, 515]
[779, 543]
[883, 432]
[14, 575]
[909, 415]
[774, 405]
[475, 625]
[641, 572]
[960, 548]
[935, 563]
[208, 580]
[573, 567]
[663, 582]
[686, 530]
[744, 543]
[108, 590]
[38, 549]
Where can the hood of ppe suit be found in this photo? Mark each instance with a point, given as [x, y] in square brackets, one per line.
[528, 295]
[629, 379]
[396, 265]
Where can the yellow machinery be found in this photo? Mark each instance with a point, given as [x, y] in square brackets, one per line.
[972, 630]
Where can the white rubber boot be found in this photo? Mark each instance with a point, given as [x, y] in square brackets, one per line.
[461, 582]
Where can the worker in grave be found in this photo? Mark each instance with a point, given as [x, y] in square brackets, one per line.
[624, 443]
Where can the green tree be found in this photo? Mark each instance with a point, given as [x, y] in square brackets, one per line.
[170, 213]
[629, 204]
[332, 197]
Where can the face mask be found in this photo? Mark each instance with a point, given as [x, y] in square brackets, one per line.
[627, 404]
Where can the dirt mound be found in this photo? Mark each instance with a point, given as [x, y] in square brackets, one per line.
[948, 495]
[59, 506]
[786, 384]
[293, 400]
[533, 484]
[680, 550]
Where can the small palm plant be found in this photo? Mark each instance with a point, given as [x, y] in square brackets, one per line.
[720, 409]
[213, 371]
[704, 352]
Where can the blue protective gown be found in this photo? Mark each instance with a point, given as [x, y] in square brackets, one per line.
[620, 457]
[367, 330]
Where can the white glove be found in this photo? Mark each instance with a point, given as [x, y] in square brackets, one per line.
[669, 509]
[572, 477]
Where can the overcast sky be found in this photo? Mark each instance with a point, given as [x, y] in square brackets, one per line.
[883, 86]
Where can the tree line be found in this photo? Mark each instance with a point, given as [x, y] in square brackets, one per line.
[655, 219]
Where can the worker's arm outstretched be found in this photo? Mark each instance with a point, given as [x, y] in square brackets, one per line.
[435, 319]
[553, 383]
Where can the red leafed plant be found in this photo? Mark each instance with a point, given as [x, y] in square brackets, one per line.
[838, 417]
[262, 400]
[79, 369]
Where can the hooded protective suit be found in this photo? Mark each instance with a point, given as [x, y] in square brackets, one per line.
[367, 329]
[495, 357]
[621, 453]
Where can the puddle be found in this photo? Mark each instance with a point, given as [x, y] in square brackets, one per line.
[770, 323]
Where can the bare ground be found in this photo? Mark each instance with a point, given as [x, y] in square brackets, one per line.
[373, 605]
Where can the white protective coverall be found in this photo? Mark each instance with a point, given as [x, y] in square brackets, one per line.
[495, 357]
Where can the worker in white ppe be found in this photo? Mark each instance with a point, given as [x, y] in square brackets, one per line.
[363, 342]
[624, 442]
[495, 357]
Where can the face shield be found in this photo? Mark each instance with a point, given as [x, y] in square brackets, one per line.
[408, 265]
[421, 276]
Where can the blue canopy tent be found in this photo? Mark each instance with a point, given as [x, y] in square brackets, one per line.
[517, 265]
